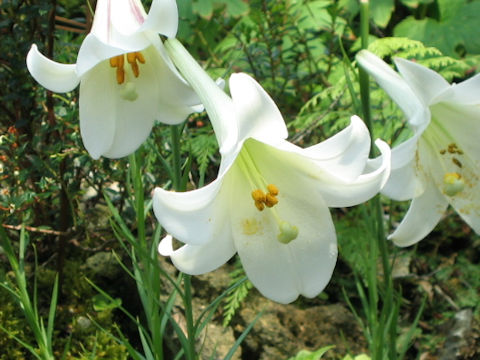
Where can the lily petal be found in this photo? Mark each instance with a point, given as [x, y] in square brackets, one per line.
[93, 51]
[467, 92]
[405, 181]
[162, 18]
[395, 86]
[461, 123]
[257, 115]
[421, 218]
[194, 217]
[50, 74]
[339, 193]
[425, 83]
[133, 118]
[199, 259]
[97, 110]
[127, 16]
[117, 24]
[279, 271]
[344, 153]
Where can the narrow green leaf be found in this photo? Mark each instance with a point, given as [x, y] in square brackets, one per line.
[242, 336]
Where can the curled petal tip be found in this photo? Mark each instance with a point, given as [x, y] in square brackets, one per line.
[50, 74]
[165, 247]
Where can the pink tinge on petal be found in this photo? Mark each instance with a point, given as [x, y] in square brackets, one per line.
[109, 20]
[137, 12]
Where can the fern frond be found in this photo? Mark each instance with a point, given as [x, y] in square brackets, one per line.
[235, 299]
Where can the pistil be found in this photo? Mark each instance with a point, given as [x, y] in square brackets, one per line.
[453, 184]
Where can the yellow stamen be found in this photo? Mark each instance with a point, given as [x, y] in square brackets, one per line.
[259, 205]
[135, 69]
[258, 195]
[140, 57]
[120, 75]
[270, 200]
[261, 199]
[131, 57]
[272, 189]
[119, 61]
[114, 61]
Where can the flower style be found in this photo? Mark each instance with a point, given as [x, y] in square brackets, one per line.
[270, 200]
[126, 78]
[439, 164]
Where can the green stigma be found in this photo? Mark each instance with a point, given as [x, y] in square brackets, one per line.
[288, 232]
[453, 184]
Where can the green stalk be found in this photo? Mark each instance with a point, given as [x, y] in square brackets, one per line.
[147, 276]
[211, 95]
[177, 166]
[379, 246]
[139, 197]
[187, 298]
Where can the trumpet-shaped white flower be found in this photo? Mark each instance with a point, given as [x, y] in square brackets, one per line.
[440, 163]
[270, 200]
[127, 80]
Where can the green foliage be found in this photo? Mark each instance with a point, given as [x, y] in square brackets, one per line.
[293, 48]
[381, 11]
[358, 357]
[451, 33]
[13, 325]
[430, 57]
[309, 355]
[289, 47]
[203, 146]
[233, 8]
[234, 300]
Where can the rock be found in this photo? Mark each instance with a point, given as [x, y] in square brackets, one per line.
[284, 330]
[456, 338]
[103, 264]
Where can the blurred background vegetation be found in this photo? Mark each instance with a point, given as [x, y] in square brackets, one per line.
[301, 51]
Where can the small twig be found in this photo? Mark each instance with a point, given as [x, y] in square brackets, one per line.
[440, 292]
[35, 229]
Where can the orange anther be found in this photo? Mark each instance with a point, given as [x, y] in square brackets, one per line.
[120, 75]
[140, 57]
[259, 205]
[272, 189]
[131, 58]
[135, 69]
[258, 195]
[270, 200]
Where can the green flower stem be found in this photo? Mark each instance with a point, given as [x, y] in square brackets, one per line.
[207, 90]
[383, 326]
[139, 195]
[177, 165]
[209, 93]
[187, 282]
[363, 76]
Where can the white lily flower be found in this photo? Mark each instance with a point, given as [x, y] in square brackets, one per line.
[127, 80]
[440, 163]
[270, 200]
